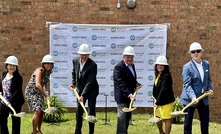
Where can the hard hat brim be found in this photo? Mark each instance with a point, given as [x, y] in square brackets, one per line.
[47, 62]
[194, 49]
[84, 52]
[127, 54]
[11, 63]
[161, 63]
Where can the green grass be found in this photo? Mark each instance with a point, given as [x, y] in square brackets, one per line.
[140, 125]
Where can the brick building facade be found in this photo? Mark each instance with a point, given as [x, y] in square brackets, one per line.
[23, 32]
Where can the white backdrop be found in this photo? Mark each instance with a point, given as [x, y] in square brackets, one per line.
[107, 43]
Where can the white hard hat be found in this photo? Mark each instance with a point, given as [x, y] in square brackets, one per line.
[195, 46]
[47, 59]
[12, 60]
[128, 51]
[84, 49]
[161, 60]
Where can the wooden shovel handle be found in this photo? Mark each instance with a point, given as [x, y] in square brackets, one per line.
[154, 108]
[81, 103]
[199, 98]
[48, 103]
[135, 93]
[6, 102]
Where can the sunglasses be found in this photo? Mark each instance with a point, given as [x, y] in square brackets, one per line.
[197, 51]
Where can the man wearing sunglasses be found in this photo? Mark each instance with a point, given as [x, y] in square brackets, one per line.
[196, 81]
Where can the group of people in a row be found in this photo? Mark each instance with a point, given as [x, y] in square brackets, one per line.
[196, 81]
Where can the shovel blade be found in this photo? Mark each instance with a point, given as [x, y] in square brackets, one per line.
[176, 113]
[20, 115]
[91, 119]
[50, 110]
[154, 120]
[125, 109]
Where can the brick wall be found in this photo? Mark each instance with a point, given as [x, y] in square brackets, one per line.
[23, 32]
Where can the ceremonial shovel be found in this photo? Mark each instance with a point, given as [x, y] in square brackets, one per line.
[21, 114]
[175, 113]
[125, 109]
[154, 119]
[50, 110]
[87, 117]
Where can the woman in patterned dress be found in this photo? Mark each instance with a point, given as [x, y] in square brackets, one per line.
[35, 92]
[11, 89]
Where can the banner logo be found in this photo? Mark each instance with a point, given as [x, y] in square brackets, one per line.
[150, 62]
[152, 29]
[74, 45]
[55, 85]
[151, 45]
[55, 69]
[150, 77]
[55, 53]
[94, 53]
[94, 37]
[113, 45]
[132, 37]
[113, 29]
[55, 36]
[113, 62]
[75, 29]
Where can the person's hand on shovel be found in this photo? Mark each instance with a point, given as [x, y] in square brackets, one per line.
[195, 100]
[132, 97]
[138, 85]
[81, 99]
[211, 92]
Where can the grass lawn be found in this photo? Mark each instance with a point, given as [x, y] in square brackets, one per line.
[140, 125]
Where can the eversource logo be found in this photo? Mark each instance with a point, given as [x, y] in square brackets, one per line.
[94, 53]
[150, 93]
[55, 36]
[113, 45]
[113, 29]
[112, 93]
[94, 37]
[55, 53]
[132, 37]
[55, 85]
[55, 69]
[74, 45]
[75, 29]
[150, 62]
[152, 29]
[113, 62]
[151, 45]
[150, 77]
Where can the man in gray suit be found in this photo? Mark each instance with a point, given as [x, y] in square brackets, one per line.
[125, 82]
[196, 81]
[84, 79]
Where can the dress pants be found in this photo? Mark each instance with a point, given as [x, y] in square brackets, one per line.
[203, 111]
[79, 115]
[123, 119]
[16, 121]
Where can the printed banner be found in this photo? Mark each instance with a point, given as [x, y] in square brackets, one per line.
[107, 43]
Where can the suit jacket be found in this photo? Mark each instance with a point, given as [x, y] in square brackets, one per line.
[163, 91]
[17, 97]
[86, 83]
[124, 82]
[193, 86]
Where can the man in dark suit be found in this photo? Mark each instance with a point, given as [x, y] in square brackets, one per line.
[196, 81]
[124, 86]
[84, 79]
